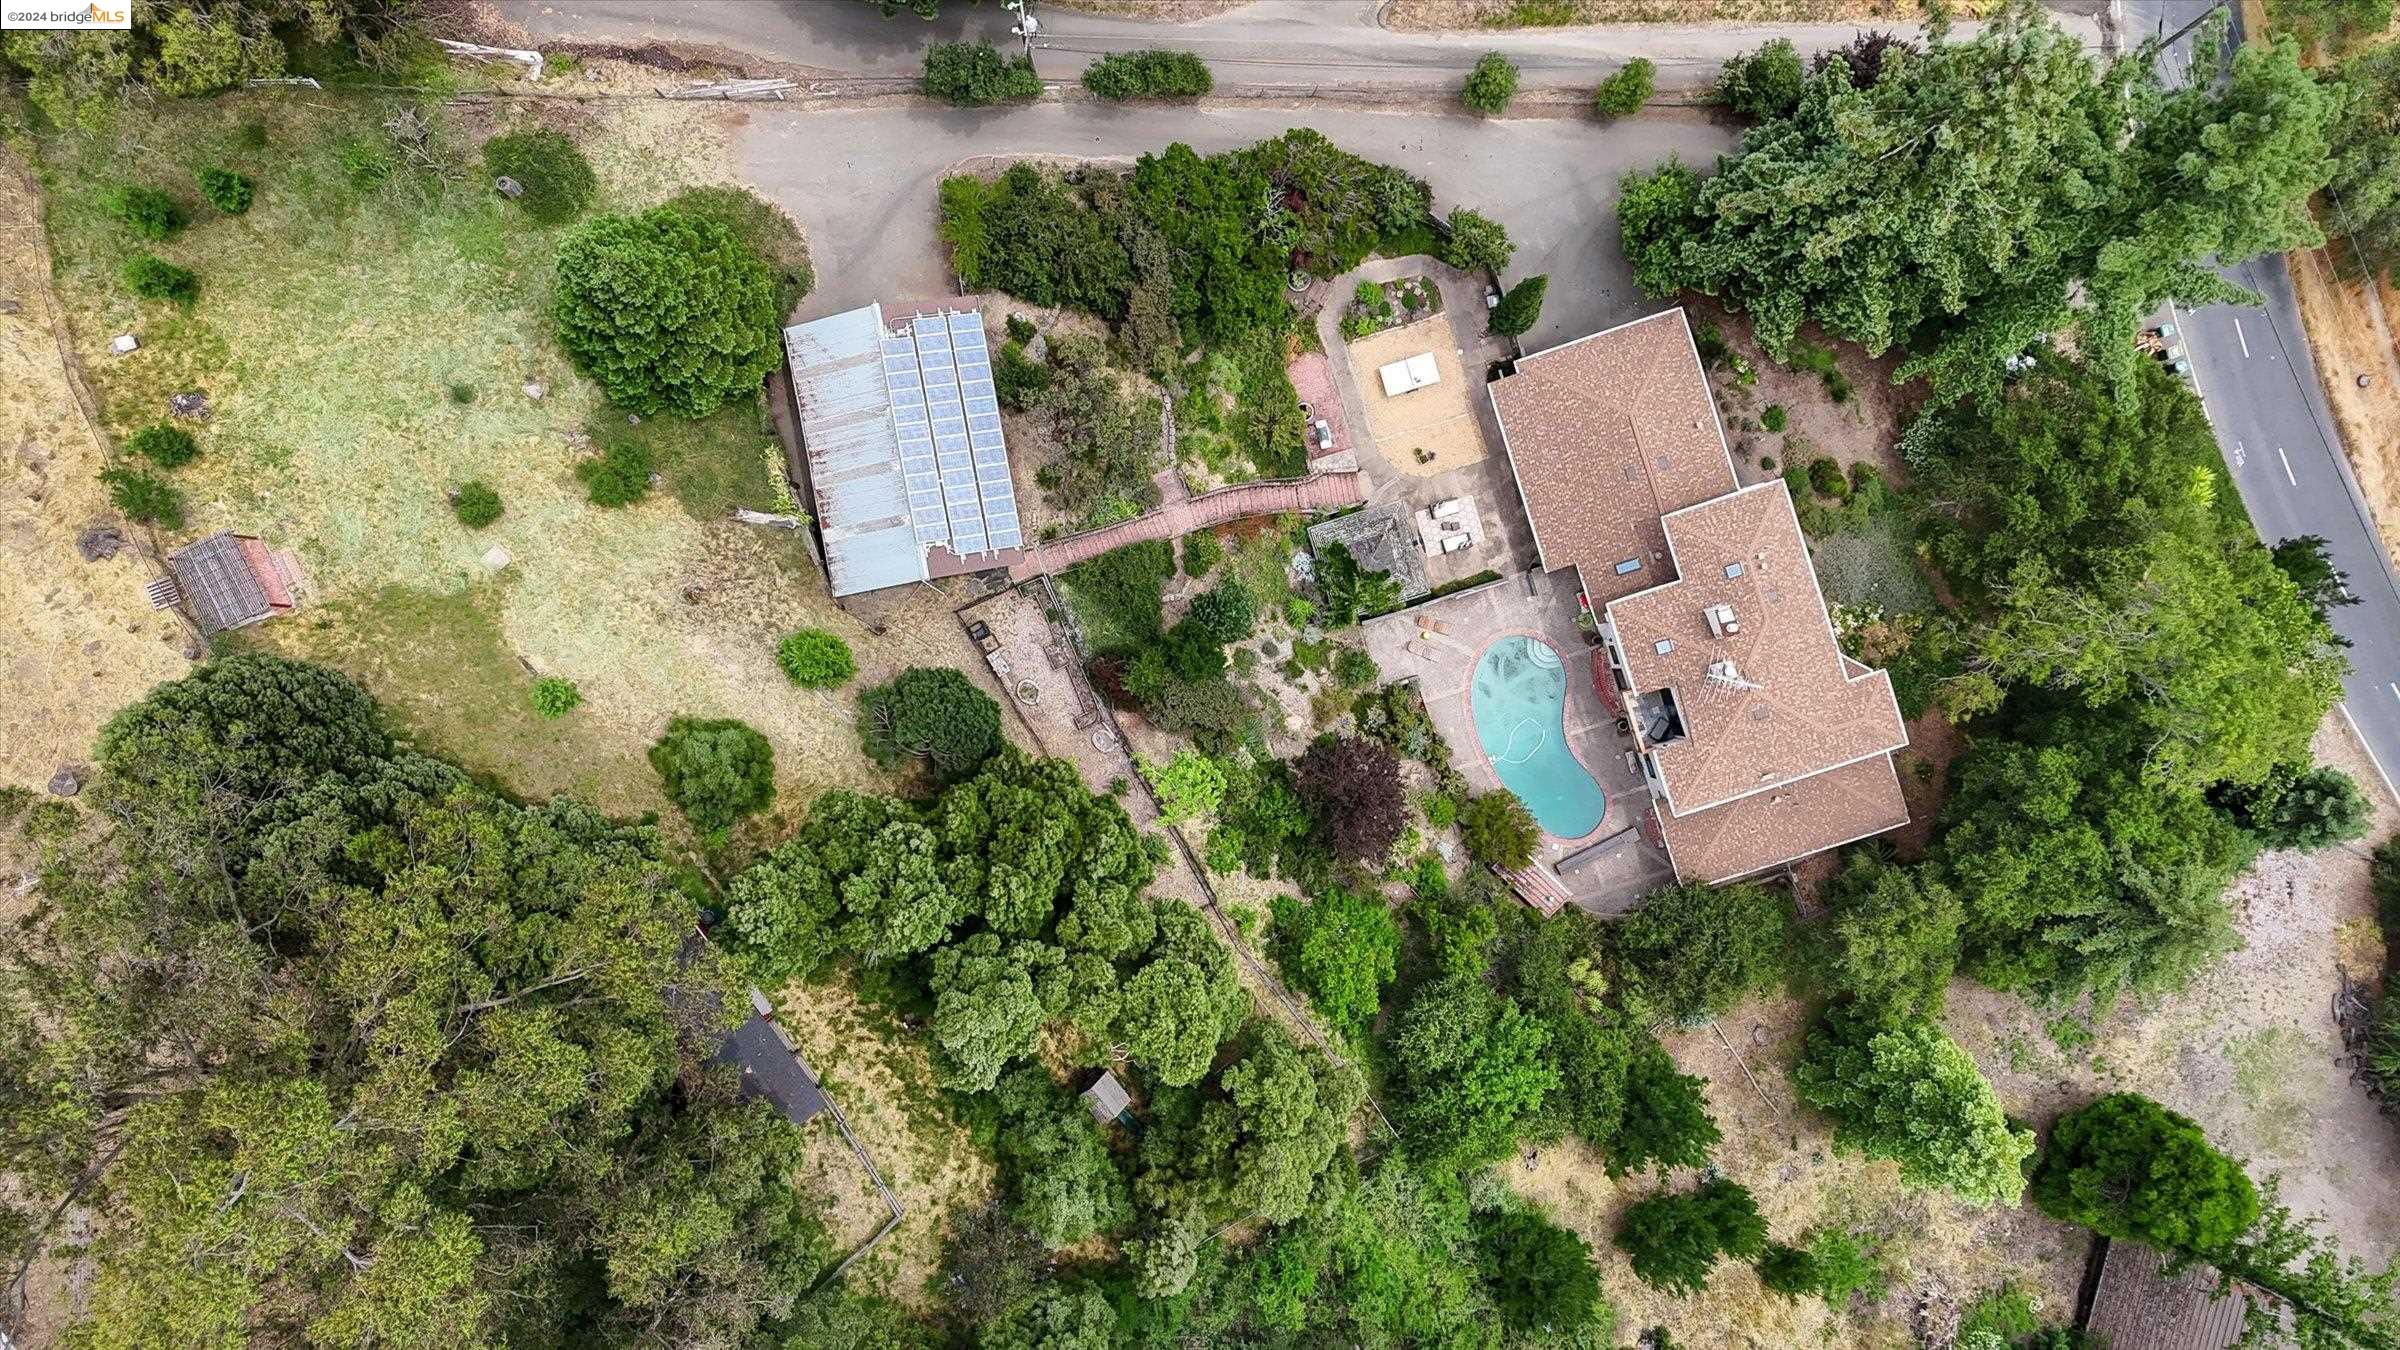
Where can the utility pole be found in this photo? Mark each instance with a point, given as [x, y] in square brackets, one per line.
[1026, 25]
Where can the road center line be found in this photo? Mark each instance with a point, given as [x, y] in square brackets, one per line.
[2287, 466]
[2242, 338]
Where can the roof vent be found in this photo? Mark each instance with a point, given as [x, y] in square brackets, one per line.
[1721, 622]
[1758, 712]
[1664, 646]
[1729, 675]
[1629, 566]
[1732, 570]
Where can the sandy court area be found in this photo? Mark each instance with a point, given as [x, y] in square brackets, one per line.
[1439, 419]
[77, 640]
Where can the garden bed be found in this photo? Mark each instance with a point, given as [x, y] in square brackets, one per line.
[1378, 305]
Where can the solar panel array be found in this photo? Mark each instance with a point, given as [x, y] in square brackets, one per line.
[947, 417]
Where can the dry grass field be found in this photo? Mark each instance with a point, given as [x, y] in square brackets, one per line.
[77, 639]
[365, 348]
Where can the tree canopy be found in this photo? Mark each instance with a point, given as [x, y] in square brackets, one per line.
[1962, 201]
[667, 311]
[1905, 1092]
[350, 1047]
[2129, 1168]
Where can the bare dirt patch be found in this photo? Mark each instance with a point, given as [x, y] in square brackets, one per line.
[1425, 431]
[1860, 428]
[77, 638]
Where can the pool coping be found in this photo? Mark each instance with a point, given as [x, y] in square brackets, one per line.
[1608, 799]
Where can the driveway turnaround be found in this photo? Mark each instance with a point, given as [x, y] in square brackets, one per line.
[861, 182]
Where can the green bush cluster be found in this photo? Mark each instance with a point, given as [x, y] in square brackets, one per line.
[1626, 89]
[715, 770]
[149, 212]
[667, 311]
[1775, 418]
[619, 475]
[164, 444]
[144, 498]
[815, 659]
[1490, 84]
[1763, 84]
[1148, 74]
[226, 190]
[557, 180]
[553, 697]
[475, 503]
[1202, 551]
[154, 278]
[972, 74]
[931, 714]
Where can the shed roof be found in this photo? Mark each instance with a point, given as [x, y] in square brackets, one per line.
[907, 463]
[220, 581]
[1380, 539]
[1606, 434]
[1766, 695]
[1107, 1097]
[2138, 1307]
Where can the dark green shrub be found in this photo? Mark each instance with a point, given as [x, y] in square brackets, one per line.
[1673, 1240]
[1499, 831]
[1541, 1274]
[668, 312]
[227, 191]
[557, 179]
[1201, 553]
[1521, 308]
[815, 659]
[971, 74]
[164, 444]
[1624, 92]
[1765, 83]
[144, 498]
[475, 504]
[462, 394]
[619, 475]
[251, 136]
[1774, 418]
[1476, 242]
[932, 713]
[1826, 477]
[154, 278]
[1225, 613]
[1354, 669]
[553, 697]
[1692, 950]
[1018, 380]
[1148, 74]
[715, 770]
[1490, 85]
[1834, 1265]
[1021, 328]
[148, 212]
[2133, 1170]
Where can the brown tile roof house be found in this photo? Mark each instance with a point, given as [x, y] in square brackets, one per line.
[2136, 1306]
[1761, 741]
[226, 581]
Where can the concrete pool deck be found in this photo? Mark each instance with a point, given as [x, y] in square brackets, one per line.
[1438, 644]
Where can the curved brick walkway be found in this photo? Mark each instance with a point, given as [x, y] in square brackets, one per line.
[1325, 491]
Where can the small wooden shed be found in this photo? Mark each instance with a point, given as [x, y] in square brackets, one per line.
[1107, 1098]
[2139, 1307]
[227, 581]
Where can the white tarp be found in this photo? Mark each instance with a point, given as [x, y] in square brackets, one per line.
[1416, 372]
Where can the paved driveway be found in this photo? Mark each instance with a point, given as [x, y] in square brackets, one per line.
[861, 182]
[1304, 43]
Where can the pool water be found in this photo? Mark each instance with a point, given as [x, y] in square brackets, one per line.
[1520, 704]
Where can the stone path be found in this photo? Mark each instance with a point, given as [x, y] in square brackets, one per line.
[1326, 490]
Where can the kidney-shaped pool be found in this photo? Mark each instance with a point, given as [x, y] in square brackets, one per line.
[1520, 703]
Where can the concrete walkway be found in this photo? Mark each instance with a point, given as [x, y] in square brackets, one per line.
[1326, 490]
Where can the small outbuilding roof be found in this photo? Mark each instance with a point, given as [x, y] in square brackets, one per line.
[1107, 1098]
[2139, 1307]
[229, 580]
[1381, 539]
[769, 1069]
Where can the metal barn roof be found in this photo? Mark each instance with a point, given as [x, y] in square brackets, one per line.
[217, 580]
[902, 430]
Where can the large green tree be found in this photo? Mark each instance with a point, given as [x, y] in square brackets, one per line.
[666, 311]
[2132, 1169]
[353, 1051]
[1471, 1071]
[1905, 1092]
[1965, 201]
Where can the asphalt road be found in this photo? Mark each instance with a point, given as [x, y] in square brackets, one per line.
[861, 183]
[1302, 43]
[2259, 381]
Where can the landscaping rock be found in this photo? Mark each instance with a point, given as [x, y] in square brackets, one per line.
[534, 390]
[99, 541]
[69, 779]
[124, 344]
[508, 187]
[496, 557]
[10, 307]
[193, 404]
[633, 419]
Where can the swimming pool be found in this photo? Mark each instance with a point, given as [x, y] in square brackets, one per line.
[1520, 704]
